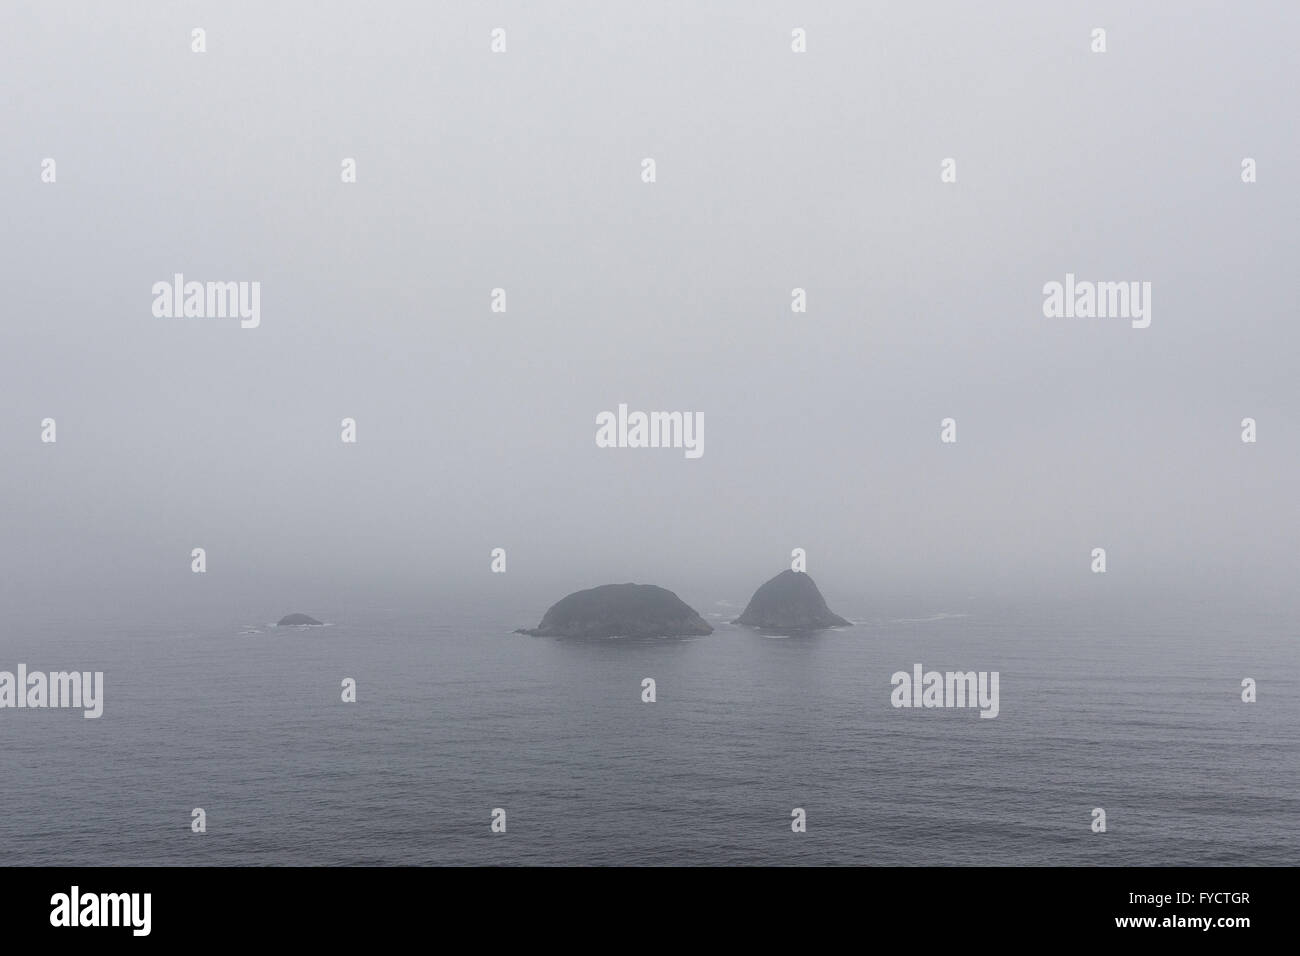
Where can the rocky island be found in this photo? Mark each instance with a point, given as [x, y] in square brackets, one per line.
[789, 602]
[293, 619]
[620, 610]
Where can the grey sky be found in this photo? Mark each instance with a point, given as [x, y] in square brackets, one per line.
[775, 170]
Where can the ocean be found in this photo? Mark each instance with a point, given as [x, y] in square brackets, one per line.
[457, 716]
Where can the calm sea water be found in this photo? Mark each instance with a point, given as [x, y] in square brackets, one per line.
[456, 716]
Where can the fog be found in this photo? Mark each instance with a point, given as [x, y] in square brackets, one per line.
[523, 171]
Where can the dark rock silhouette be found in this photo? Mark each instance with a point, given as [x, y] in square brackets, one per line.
[789, 602]
[620, 610]
[289, 619]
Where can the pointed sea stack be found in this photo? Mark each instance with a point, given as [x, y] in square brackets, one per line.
[290, 620]
[620, 610]
[789, 602]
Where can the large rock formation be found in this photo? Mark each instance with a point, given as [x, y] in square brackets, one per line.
[291, 619]
[789, 602]
[620, 610]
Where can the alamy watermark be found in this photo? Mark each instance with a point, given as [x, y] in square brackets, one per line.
[76, 908]
[179, 299]
[651, 430]
[73, 689]
[1098, 300]
[947, 689]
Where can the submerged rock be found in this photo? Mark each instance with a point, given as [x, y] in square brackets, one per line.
[620, 610]
[290, 619]
[789, 602]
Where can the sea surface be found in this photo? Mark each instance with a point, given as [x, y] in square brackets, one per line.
[457, 716]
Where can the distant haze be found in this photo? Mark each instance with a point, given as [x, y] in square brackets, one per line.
[522, 171]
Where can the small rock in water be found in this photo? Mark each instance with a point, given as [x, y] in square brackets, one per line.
[789, 601]
[290, 619]
[621, 610]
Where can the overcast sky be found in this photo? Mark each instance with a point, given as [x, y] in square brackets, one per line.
[522, 170]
